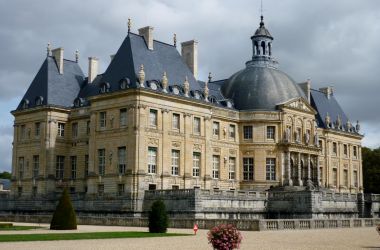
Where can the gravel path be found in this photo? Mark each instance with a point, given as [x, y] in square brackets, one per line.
[349, 238]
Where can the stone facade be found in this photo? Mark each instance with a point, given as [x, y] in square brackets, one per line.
[152, 134]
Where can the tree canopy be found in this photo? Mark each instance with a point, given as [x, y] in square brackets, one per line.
[371, 170]
[5, 175]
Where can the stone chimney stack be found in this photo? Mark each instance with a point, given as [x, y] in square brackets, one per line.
[58, 56]
[189, 52]
[147, 33]
[306, 86]
[93, 65]
[328, 91]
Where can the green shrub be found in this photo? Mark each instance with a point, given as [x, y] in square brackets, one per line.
[158, 218]
[64, 217]
[6, 225]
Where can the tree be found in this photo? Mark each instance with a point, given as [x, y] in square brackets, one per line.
[64, 217]
[371, 170]
[5, 175]
[158, 218]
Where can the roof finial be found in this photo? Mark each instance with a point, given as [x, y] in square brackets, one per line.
[186, 87]
[129, 25]
[76, 55]
[164, 82]
[209, 76]
[48, 49]
[142, 76]
[262, 15]
[206, 91]
[175, 40]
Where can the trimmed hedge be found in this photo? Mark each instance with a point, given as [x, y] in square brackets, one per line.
[158, 218]
[64, 217]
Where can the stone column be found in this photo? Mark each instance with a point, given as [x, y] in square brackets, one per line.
[289, 175]
[318, 182]
[309, 181]
[299, 170]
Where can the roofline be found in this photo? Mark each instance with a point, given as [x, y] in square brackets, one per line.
[40, 108]
[154, 40]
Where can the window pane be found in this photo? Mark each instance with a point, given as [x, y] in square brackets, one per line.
[175, 162]
[101, 161]
[231, 168]
[248, 169]
[122, 159]
[247, 132]
[197, 125]
[153, 118]
[123, 117]
[175, 122]
[271, 169]
[152, 160]
[215, 166]
[196, 163]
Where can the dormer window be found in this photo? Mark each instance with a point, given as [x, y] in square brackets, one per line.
[124, 83]
[78, 102]
[153, 85]
[229, 104]
[175, 90]
[197, 95]
[212, 99]
[104, 87]
[39, 100]
[25, 104]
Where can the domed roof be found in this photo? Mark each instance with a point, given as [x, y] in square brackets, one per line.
[260, 88]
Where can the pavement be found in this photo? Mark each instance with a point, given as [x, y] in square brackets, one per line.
[345, 238]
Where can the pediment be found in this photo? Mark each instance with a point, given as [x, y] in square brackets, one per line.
[298, 104]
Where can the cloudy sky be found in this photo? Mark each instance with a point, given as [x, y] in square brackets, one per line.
[333, 43]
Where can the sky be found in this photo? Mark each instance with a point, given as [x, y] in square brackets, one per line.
[333, 43]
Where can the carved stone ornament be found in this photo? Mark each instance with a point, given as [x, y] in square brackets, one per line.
[216, 150]
[153, 141]
[197, 147]
[307, 137]
[164, 82]
[142, 76]
[327, 120]
[176, 144]
[232, 152]
[287, 134]
[186, 87]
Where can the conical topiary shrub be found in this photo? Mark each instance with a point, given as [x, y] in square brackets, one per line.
[158, 218]
[64, 217]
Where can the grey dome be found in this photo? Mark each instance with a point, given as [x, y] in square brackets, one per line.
[260, 88]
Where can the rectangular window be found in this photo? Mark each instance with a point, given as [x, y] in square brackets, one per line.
[73, 160]
[59, 167]
[248, 169]
[196, 164]
[102, 119]
[345, 150]
[152, 160]
[345, 177]
[231, 168]
[355, 152]
[19, 191]
[88, 128]
[175, 187]
[197, 125]
[271, 132]
[355, 178]
[37, 129]
[101, 161]
[215, 166]
[175, 162]
[36, 165]
[334, 148]
[21, 164]
[72, 190]
[74, 130]
[123, 117]
[271, 169]
[232, 131]
[100, 189]
[22, 132]
[215, 128]
[120, 189]
[247, 132]
[152, 187]
[176, 121]
[86, 166]
[122, 158]
[335, 177]
[153, 118]
[61, 129]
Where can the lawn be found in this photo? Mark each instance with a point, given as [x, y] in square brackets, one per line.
[82, 236]
[17, 228]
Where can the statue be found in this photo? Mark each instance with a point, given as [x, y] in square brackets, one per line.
[327, 120]
[164, 82]
[186, 87]
[357, 126]
[307, 137]
[287, 134]
[316, 139]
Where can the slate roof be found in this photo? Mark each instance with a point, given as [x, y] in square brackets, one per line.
[330, 106]
[133, 53]
[54, 88]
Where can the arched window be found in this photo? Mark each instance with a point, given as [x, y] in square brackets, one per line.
[124, 83]
[78, 102]
[263, 47]
[25, 104]
[104, 87]
[39, 100]
[257, 49]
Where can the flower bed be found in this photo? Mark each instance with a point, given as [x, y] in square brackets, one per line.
[224, 237]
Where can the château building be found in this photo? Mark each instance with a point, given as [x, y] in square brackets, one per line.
[148, 123]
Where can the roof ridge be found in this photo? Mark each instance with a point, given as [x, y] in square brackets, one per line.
[154, 40]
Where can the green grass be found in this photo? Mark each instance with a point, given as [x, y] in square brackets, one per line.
[82, 236]
[17, 228]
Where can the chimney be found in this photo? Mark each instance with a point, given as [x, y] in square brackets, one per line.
[92, 68]
[306, 86]
[58, 56]
[147, 33]
[328, 91]
[189, 53]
